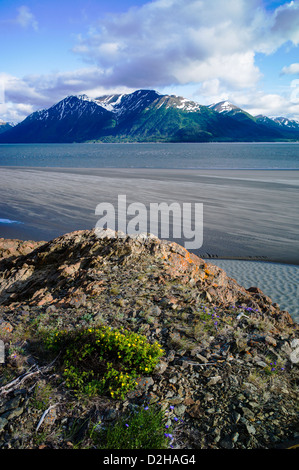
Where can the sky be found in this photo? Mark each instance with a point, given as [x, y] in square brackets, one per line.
[246, 52]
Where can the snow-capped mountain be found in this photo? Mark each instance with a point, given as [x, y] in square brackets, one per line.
[229, 109]
[70, 106]
[146, 116]
[285, 122]
[74, 119]
[141, 99]
[224, 107]
[288, 127]
[128, 103]
[5, 126]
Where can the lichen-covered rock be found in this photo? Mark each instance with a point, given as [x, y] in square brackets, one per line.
[13, 248]
[47, 273]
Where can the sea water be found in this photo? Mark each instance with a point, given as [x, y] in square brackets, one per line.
[227, 156]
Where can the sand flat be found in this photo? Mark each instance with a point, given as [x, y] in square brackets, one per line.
[248, 214]
[279, 281]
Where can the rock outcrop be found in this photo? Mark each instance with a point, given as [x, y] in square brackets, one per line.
[10, 248]
[56, 271]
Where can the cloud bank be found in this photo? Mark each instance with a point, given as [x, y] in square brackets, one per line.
[173, 43]
[181, 41]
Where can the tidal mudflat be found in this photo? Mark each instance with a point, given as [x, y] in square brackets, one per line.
[248, 214]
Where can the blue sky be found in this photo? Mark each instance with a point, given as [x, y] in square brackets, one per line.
[243, 51]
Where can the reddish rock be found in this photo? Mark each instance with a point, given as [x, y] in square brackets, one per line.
[13, 248]
[65, 269]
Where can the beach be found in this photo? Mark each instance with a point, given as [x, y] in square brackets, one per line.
[247, 214]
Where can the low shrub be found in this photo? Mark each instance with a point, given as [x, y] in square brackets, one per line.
[104, 360]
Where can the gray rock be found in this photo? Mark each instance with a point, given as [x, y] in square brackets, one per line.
[201, 358]
[295, 343]
[13, 413]
[214, 380]
[270, 340]
[227, 443]
[294, 356]
[110, 414]
[236, 417]
[250, 428]
[180, 410]
[155, 311]
[286, 348]
[261, 364]
[175, 400]
[10, 405]
[247, 413]
[78, 300]
[161, 367]
[3, 423]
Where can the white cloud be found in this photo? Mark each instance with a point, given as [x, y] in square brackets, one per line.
[292, 69]
[174, 42]
[20, 97]
[26, 19]
[258, 102]
[182, 41]
[209, 47]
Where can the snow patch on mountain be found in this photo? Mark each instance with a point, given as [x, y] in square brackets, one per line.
[224, 107]
[110, 102]
[282, 121]
[121, 104]
[186, 105]
[6, 123]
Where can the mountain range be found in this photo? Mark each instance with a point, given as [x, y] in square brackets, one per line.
[145, 116]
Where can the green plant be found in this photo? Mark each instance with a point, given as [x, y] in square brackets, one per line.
[206, 322]
[42, 395]
[114, 290]
[104, 360]
[87, 317]
[143, 429]
[274, 367]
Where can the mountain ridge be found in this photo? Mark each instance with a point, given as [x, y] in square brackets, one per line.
[146, 116]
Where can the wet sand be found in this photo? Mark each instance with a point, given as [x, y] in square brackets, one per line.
[248, 214]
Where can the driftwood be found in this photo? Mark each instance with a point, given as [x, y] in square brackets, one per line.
[44, 415]
[34, 370]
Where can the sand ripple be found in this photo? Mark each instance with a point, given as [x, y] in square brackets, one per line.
[279, 281]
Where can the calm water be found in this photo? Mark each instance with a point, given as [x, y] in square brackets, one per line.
[187, 156]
